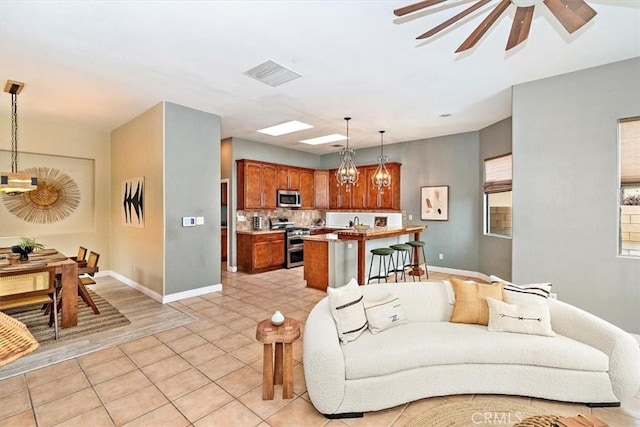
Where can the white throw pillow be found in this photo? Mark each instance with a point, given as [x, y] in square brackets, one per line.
[384, 313]
[535, 293]
[347, 309]
[534, 319]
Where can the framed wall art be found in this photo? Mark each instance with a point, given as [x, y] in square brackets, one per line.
[434, 203]
[133, 202]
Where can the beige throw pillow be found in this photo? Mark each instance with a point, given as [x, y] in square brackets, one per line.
[534, 319]
[347, 308]
[535, 293]
[471, 301]
[384, 313]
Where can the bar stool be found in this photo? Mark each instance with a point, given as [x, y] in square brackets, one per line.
[383, 253]
[404, 251]
[415, 263]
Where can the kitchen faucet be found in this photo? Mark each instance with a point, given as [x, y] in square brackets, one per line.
[355, 221]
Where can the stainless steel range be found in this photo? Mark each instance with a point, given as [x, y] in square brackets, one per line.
[294, 242]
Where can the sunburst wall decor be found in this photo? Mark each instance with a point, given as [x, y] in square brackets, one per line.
[56, 198]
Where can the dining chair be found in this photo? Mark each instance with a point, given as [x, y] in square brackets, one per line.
[18, 289]
[86, 278]
[81, 258]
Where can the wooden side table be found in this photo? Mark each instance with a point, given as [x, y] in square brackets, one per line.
[282, 336]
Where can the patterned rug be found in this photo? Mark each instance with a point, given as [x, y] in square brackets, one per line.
[88, 323]
[495, 413]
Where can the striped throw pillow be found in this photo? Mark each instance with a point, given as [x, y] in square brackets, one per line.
[536, 293]
[347, 308]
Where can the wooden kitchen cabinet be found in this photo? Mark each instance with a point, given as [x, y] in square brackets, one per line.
[307, 189]
[288, 178]
[259, 252]
[223, 243]
[321, 189]
[364, 195]
[257, 185]
[390, 198]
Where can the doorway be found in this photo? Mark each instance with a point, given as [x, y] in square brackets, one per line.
[224, 218]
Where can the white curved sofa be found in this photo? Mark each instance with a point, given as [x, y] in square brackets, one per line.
[589, 361]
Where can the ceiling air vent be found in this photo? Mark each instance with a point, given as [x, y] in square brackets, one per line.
[272, 74]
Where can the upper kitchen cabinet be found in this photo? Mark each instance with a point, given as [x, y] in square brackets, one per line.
[364, 195]
[288, 178]
[257, 185]
[390, 197]
[321, 189]
[307, 188]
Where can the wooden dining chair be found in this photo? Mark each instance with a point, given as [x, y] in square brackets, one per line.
[18, 289]
[81, 258]
[86, 278]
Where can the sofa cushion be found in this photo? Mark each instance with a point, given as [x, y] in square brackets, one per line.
[522, 319]
[471, 301]
[347, 308]
[421, 301]
[420, 344]
[384, 313]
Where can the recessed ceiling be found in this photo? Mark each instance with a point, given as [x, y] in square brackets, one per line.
[102, 63]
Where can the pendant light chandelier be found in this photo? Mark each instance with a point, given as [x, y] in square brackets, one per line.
[347, 174]
[381, 178]
[13, 183]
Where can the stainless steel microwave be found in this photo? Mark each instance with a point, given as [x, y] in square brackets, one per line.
[289, 199]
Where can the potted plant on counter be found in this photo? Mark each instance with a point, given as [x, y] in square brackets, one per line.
[25, 247]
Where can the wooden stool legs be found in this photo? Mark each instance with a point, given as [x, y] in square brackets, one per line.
[282, 373]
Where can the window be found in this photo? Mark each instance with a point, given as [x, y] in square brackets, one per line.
[497, 195]
[630, 187]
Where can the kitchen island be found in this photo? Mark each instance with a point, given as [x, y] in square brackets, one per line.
[328, 261]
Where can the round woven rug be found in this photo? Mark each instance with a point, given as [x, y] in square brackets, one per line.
[494, 413]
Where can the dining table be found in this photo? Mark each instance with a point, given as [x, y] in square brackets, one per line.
[66, 269]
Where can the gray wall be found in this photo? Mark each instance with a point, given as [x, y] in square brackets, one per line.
[192, 188]
[565, 223]
[494, 253]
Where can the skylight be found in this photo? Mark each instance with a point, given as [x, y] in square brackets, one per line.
[285, 128]
[324, 139]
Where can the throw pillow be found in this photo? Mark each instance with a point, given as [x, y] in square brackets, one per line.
[536, 293]
[384, 313]
[470, 304]
[534, 319]
[347, 309]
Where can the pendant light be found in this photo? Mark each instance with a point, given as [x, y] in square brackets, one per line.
[347, 174]
[381, 178]
[13, 183]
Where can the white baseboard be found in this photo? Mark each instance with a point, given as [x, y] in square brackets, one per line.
[457, 272]
[156, 296]
[192, 293]
[135, 285]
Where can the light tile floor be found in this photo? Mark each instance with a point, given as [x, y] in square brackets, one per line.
[208, 373]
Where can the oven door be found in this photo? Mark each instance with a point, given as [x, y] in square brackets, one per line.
[295, 256]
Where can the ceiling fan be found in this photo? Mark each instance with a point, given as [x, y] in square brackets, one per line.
[572, 14]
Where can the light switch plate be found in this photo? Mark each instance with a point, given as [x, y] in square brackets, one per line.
[199, 220]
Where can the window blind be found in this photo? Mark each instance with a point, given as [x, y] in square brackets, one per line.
[630, 151]
[498, 174]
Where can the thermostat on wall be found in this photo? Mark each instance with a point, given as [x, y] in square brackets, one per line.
[188, 221]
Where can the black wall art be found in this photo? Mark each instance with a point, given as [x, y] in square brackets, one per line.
[133, 202]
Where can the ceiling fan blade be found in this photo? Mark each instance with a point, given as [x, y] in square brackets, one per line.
[520, 27]
[453, 20]
[416, 6]
[572, 14]
[484, 26]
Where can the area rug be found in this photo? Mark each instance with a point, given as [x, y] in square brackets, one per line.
[495, 413]
[88, 323]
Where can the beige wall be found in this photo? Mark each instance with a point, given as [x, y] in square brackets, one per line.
[137, 150]
[67, 140]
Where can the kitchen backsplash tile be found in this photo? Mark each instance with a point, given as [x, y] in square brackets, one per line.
[300, 217]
